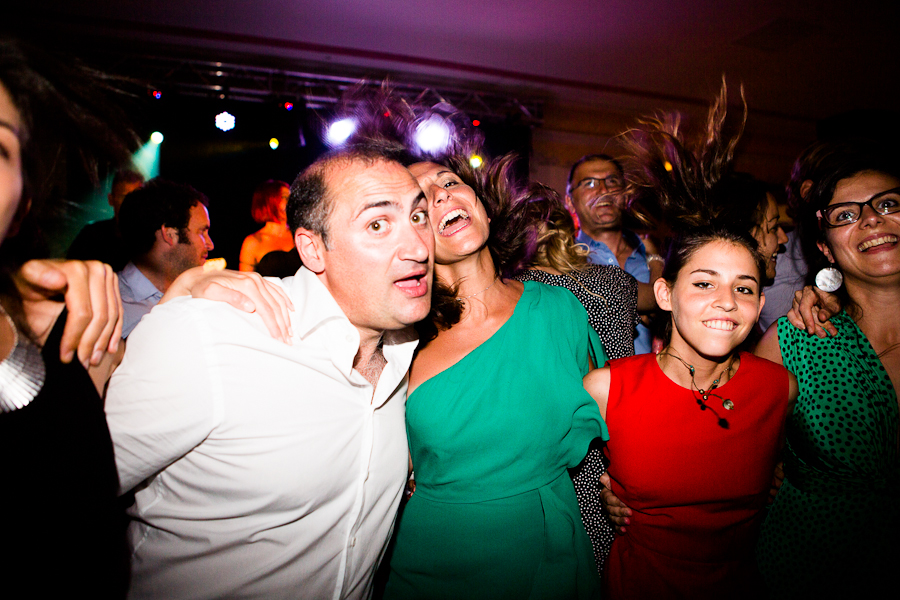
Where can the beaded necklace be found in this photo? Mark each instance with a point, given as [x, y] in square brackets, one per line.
[727, 403]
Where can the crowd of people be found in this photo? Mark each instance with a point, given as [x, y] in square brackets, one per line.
[455, 383]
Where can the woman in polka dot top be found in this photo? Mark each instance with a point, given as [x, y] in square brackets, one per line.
[833, 528]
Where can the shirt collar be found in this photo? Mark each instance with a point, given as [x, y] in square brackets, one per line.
[316, 308]
[631, 237]
[314, 303]
[141, 287]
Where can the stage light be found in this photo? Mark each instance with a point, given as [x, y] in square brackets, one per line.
[156, 94]
[339, 131]
[476, 122]
[432, 135]
[157, 137]
[475, 161]
[288, 106]
[225, 121]
[273, 143]
[667, 166]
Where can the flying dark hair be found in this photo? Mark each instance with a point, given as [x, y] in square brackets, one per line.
[72, 122]
[693, 184]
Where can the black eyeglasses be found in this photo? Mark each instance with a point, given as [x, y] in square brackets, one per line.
[846, 213]
[611, 183]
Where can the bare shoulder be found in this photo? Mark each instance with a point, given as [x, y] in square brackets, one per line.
[597, 383]
[768, 346]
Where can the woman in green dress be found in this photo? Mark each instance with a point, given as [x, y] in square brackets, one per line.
[833, 528]
[496, 412]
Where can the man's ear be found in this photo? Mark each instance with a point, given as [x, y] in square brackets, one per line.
[663, 294]
[311, 249]
[169, 235]
[570, 206]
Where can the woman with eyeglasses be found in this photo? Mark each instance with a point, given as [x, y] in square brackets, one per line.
[833, 528]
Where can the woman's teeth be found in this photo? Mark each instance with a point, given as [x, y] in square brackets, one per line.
[451, 217]
[885, 239]
[721, 325]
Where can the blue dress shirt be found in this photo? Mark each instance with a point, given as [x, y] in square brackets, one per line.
[139, 296]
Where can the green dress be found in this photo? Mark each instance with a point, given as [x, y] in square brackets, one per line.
[494, 514]
[833, 528]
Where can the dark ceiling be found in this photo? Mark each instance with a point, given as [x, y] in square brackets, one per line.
[799, 59]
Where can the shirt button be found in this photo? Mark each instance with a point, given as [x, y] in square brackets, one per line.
[610, 260]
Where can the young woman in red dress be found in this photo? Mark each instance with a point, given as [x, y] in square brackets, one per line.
[695, 431]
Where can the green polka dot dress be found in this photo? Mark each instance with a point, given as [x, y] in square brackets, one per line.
[833, 528]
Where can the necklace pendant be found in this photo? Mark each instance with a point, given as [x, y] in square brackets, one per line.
[727, 404]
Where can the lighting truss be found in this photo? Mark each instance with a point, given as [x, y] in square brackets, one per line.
[317, 90]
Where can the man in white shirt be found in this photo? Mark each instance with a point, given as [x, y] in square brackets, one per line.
[165, 226]
[269, 470]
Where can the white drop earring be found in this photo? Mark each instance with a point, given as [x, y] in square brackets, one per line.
[829, 279]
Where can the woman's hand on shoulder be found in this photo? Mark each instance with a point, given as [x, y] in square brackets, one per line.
[90, 291]
[811, 309]
[245, 291]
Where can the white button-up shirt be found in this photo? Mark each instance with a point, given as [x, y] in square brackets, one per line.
[272, 471]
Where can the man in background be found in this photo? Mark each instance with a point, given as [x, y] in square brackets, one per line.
[594, 195]
[165, 226]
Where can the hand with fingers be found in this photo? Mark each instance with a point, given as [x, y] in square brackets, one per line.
[619, 514]
[245, 291]
[811, 310]
[90, 292]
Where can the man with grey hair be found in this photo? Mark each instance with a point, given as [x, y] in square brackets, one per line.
[594, 196]
[270, 470]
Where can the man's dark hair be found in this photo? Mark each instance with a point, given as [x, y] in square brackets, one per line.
[591, 158]
[310, 202]
[157, 204]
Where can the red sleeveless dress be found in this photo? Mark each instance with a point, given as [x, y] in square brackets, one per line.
[696, 486]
